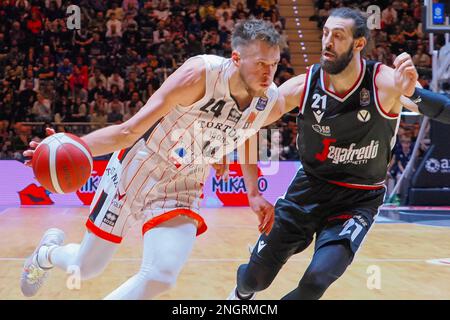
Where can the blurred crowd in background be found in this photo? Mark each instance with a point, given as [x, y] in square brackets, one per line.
[106, 71]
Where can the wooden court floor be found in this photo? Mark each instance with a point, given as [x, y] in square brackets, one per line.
[393, 259]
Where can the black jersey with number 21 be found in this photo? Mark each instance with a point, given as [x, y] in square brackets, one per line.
[345, 139]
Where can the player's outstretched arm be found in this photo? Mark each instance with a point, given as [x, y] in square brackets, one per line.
[399, 87]
[289, 94]
[184, 87]
[393, 85]
[263, 209]
[434, 105]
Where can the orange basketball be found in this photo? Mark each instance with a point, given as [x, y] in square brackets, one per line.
[62, 163]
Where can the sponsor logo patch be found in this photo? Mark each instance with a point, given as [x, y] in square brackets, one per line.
[363, 115]
[350, 154]
[110, 218]
[234, 116]
[261, 245]
[261, 104]
[364, 97]
[323, 130]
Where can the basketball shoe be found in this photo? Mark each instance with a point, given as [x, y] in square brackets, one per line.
[34, 271]
[234, 295]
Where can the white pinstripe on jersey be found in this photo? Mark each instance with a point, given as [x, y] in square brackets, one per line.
[167, 171]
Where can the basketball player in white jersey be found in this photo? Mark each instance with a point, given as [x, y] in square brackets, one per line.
[201, 112]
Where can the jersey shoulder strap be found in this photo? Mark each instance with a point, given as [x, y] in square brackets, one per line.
[312, 75]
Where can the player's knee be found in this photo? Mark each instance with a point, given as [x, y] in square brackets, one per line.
[253, 279]
[317, 281]
[163, 277]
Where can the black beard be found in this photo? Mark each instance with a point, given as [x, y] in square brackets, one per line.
[339, 64]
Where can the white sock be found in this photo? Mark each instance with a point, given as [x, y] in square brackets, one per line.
[42, 257]
[91, 256]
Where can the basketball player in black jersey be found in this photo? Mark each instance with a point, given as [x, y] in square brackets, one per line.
[348, 117]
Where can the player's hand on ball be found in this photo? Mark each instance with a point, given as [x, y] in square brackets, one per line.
[265, 212]
[33, 145]
[405, 74]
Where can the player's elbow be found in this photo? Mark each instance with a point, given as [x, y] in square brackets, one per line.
[127, 134]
